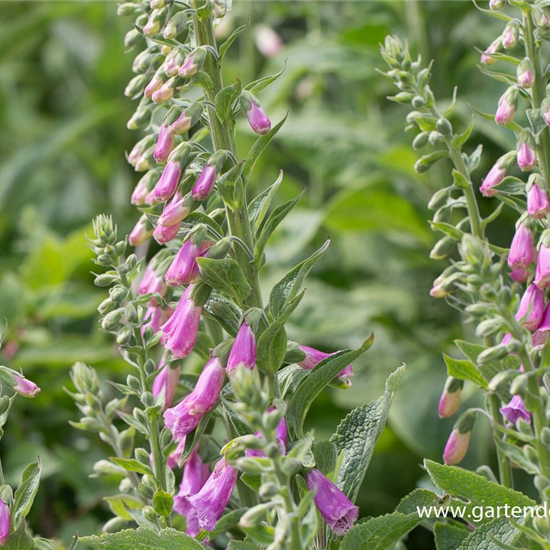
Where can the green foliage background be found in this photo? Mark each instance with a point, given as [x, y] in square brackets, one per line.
[63, 119]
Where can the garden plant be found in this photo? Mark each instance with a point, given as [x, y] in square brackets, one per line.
[225, 333]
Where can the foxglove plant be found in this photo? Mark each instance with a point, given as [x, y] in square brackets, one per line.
[192, 301]
[502, 291]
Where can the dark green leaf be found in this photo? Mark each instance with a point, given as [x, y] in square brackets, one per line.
[225, 275]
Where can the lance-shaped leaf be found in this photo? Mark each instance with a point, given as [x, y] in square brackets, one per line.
[477, 489]
[320, 376]
[464, 370]
[257, 149]
[144, 539]
[380, 533]
[289, 286]
[132, 465]
[357, 435]
[258, 85]
[225, 275]
[25, 493]
[489, 535]
[449, 537]
[272, 343]
[227, 44]
[225, 100]
[274, 219]
[259, 206]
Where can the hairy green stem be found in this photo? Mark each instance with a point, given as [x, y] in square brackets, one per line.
[538, 94]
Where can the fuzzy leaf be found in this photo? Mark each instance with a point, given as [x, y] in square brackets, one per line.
[477, 489]
[358, 433]
[464, 370]
[418, 497]
[259, 206]
[321, 375]
[144, 539]
[324, 453]
[224, 48]
[225, 275]
[274, 219]
[225, 99]
[289, 286]
[257, 149]
[481, 537]
[25, 493]
[132, 465]
[489, 370]
[380, 533]
[449, 537]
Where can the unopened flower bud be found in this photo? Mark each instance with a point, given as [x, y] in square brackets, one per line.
[507, 107]
[135, 86]
[257, 118]
[531, 307]
[527, 158]
[496, 4]
[487, 58]
[473, 250]
[132, 39]
[525, 74]
[166, 91]
[193, 63]
[141, 232]
[538, 205]
[420, 140]
[173, 62]
[442, 248]
[140, 118]
[510, 35]
[155, 22]
[459, 440]
[4, 522]
[449, 402]
[522, 251]
[155, 84]
[205, 183]
[176, 25]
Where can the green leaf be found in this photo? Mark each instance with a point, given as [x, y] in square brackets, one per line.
[257, 149]
[196, 218]
[418, 497]
[259, 206]
[289, 286]
[477, 489]
[464, 370]
[119, 505]
[258, 85]
[242, 545]
[498, 76]
[380, 533]
[321, 375]
[132, 465]
[19, 539]
[460, 139]
[25, 493]
[227, 44]
[449, 230]
[225, 99]
[324, 453]
[272, 343]
[480, 538]
[225, 275]
[358, 433]
[449, 537]
[163, 503]
[144, 539]
[274, 219]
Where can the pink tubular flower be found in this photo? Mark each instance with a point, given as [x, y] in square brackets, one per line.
[166, 382]
[526, 157]
[168, 182]
[522, 251]
[165, 144]
[25, 387]
[184, 269]
[164, 234]
[243, 351]
[186, 415]
[181, 330]
[151, 282]
[335, 507]
[531, 307]
[538, 204]
[4, 522]
[314, 356]
[175, 211]
[205, 183]
[195, 474]
[515, 410]
[175, 457]
[542, 273]
[492, 180]
[520, 275]
[140, 233]
[258, 119]
[210, 502]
